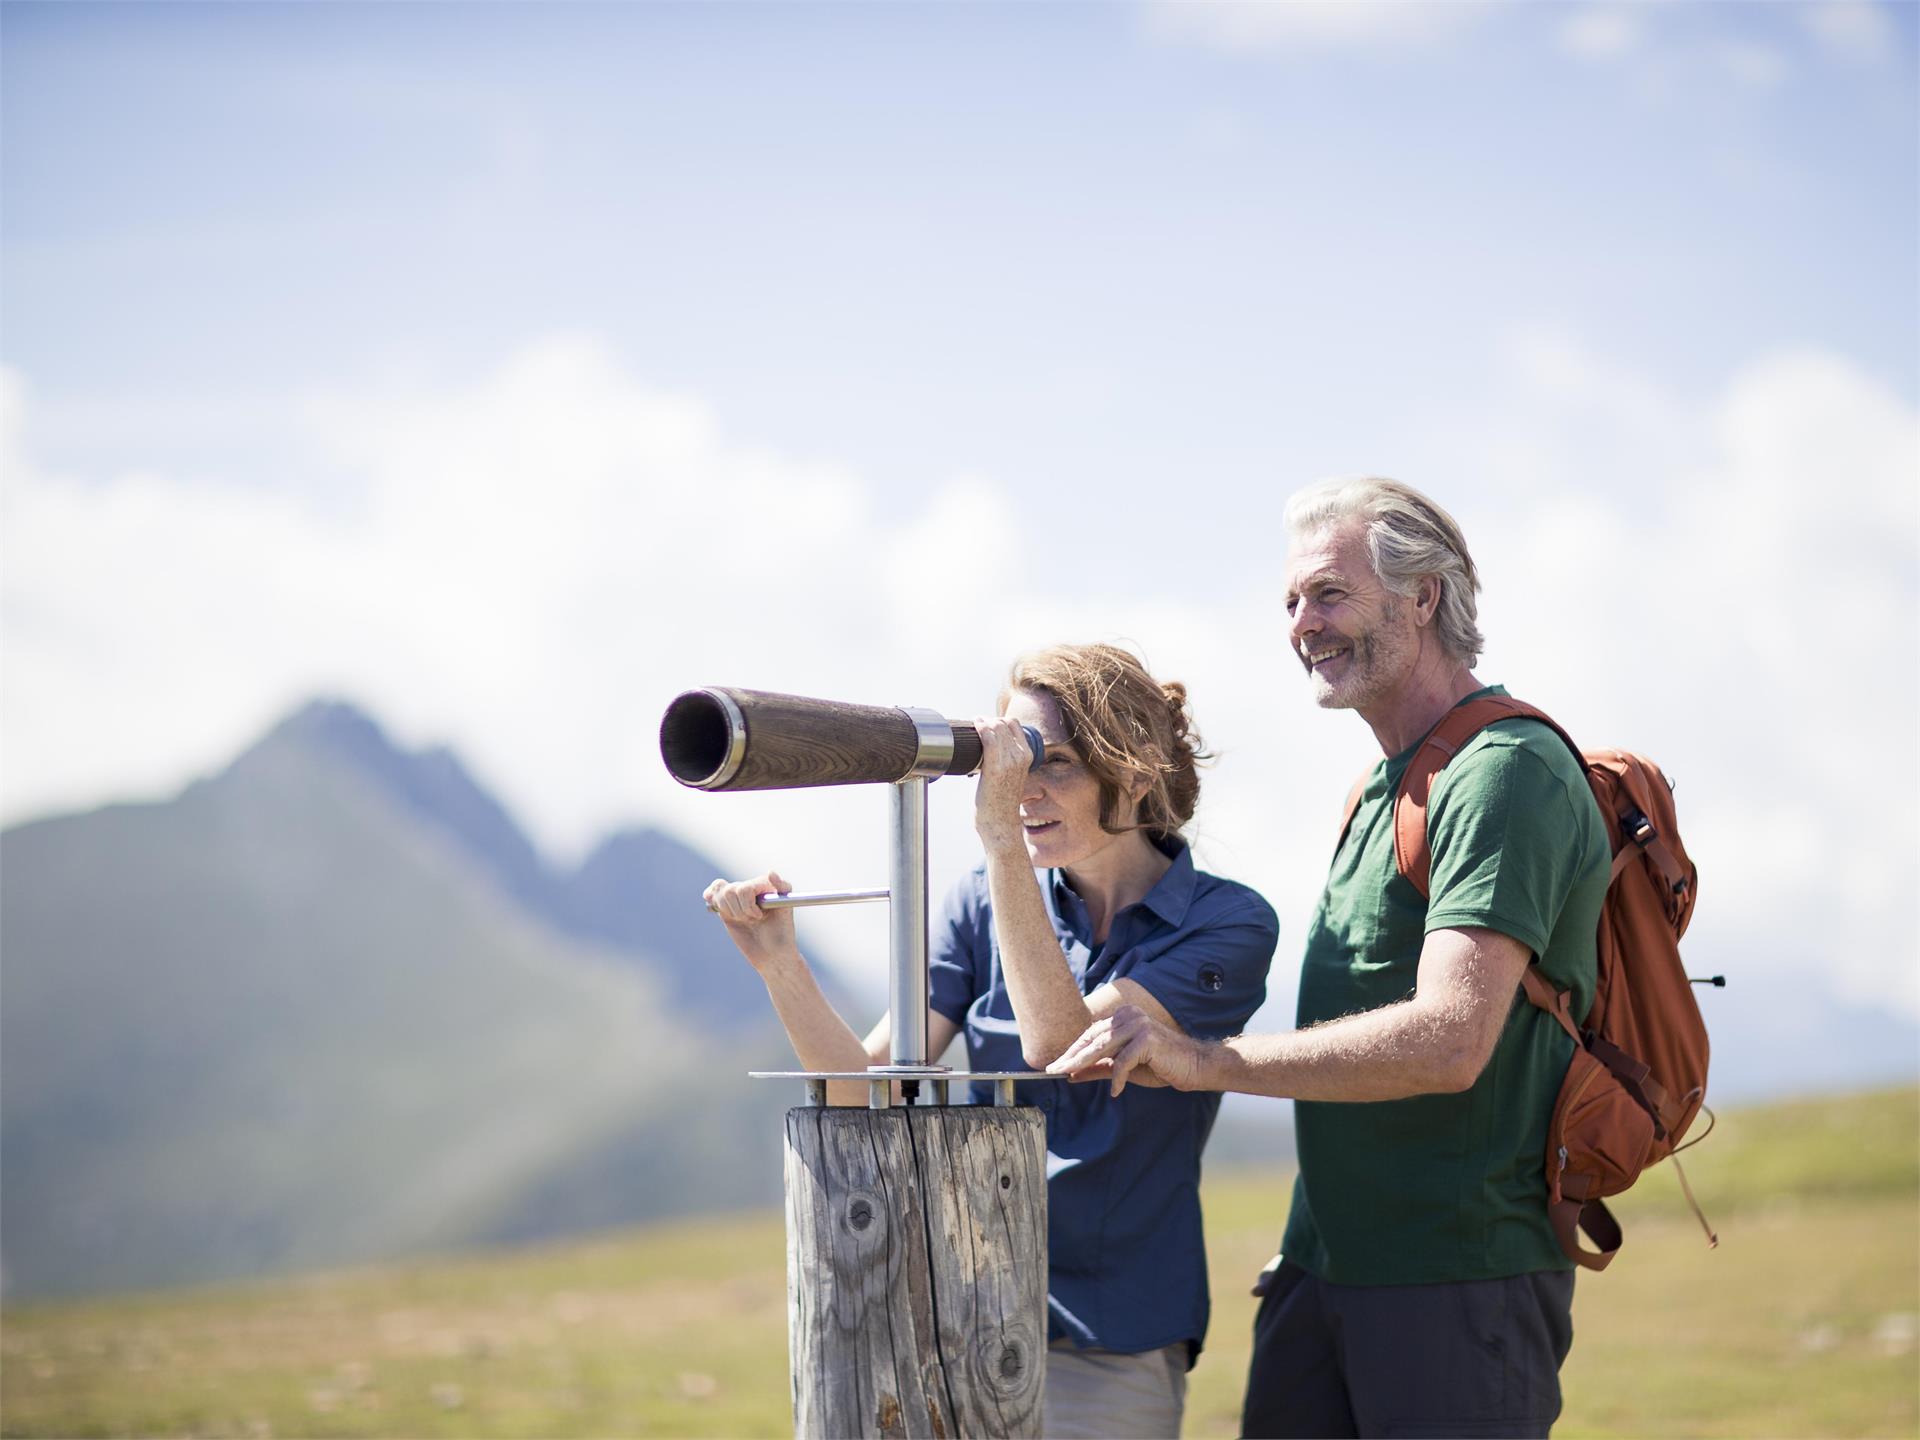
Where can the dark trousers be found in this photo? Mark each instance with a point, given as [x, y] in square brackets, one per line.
[1469, 1357]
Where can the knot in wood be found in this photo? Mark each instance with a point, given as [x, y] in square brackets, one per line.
[1006, 1182]
[1002, 1363]
[860, 1213]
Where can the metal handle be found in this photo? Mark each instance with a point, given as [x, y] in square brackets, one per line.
[771, 901]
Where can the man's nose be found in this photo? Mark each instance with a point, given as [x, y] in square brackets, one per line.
[1305, 621]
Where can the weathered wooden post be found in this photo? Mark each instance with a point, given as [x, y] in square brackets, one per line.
[916, 1235]
[917, 1270]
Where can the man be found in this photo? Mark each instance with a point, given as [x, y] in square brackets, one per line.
[1420, 1289]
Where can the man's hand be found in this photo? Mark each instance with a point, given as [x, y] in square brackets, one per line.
[1130, 1044]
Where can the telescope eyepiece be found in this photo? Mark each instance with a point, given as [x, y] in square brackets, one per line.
[1036, 745]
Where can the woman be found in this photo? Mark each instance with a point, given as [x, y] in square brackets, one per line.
[1087, 900]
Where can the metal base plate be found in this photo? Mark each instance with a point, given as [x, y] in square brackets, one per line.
[902, 1072]
[882, 1078]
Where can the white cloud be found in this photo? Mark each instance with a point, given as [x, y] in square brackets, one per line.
[532, 562]
[530, 565]
[1310, 26]
[1759, 67]
[1662, 48]
[1739, 599]
[1857, 30]
[1600, 32]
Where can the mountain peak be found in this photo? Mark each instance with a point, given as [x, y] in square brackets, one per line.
[339, 725]
[638, 893]
[433, 784]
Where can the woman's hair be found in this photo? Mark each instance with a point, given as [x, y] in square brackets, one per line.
[1409, 537]
[1127, 726]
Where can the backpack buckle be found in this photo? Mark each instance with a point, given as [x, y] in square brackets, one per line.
[1639, 829]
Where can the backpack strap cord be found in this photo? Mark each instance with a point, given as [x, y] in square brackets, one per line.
[1713, 1240]
[1712, 1120]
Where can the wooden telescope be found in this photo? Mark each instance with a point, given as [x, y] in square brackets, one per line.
[916, 1235]
[728, 739]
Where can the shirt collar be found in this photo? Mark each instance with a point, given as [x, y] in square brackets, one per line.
[1169, 898]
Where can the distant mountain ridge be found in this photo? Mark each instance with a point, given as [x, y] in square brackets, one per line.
[331, 1004]
[636, 893]
[431, 783]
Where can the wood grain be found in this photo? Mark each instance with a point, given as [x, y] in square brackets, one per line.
[916, 1270]
[794, 742]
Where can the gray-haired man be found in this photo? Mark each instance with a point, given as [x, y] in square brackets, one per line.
[1421, 1290]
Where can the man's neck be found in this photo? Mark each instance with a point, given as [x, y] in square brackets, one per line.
[1433, 687]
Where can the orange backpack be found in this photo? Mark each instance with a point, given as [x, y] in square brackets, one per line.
[1639, 1070]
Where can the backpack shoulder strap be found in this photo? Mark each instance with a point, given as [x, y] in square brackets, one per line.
[1456, 727]
[1353, 804]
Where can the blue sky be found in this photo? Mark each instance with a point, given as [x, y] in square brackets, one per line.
[509, 368]
[868, 229]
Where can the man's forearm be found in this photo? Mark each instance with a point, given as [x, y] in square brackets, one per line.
[1435, 1042]
[1385, 1054]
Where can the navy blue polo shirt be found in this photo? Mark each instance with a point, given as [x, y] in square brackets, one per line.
[1126, 1258]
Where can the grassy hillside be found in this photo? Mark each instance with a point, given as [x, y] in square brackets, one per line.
[1801, 1323]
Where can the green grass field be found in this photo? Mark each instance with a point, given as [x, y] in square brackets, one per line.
[1803, 1322]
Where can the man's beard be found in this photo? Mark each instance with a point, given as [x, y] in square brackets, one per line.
[1369, 665]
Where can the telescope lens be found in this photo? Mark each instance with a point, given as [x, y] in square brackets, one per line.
[697, 738]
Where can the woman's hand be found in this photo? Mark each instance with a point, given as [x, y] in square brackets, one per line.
[1005, 759]
[765, 937]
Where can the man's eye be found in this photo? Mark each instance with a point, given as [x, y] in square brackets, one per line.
[1328, 596]
[1293, 603]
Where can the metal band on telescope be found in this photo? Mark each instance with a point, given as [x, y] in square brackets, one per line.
[933, 735]
[736, 737]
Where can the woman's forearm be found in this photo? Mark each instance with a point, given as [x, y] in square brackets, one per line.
[1047, 1004]
[820, 1036]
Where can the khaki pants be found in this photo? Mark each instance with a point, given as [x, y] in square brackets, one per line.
[1103, 1395]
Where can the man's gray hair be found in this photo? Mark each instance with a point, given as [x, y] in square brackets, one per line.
[1408, 538]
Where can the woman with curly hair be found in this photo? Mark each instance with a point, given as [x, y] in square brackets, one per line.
[1087, 899]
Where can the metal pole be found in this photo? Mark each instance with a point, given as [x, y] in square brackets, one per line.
[907, 951]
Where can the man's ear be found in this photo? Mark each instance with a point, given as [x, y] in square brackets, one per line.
[1426, 600]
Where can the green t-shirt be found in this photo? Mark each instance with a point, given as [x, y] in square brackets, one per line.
[1450, 1187]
